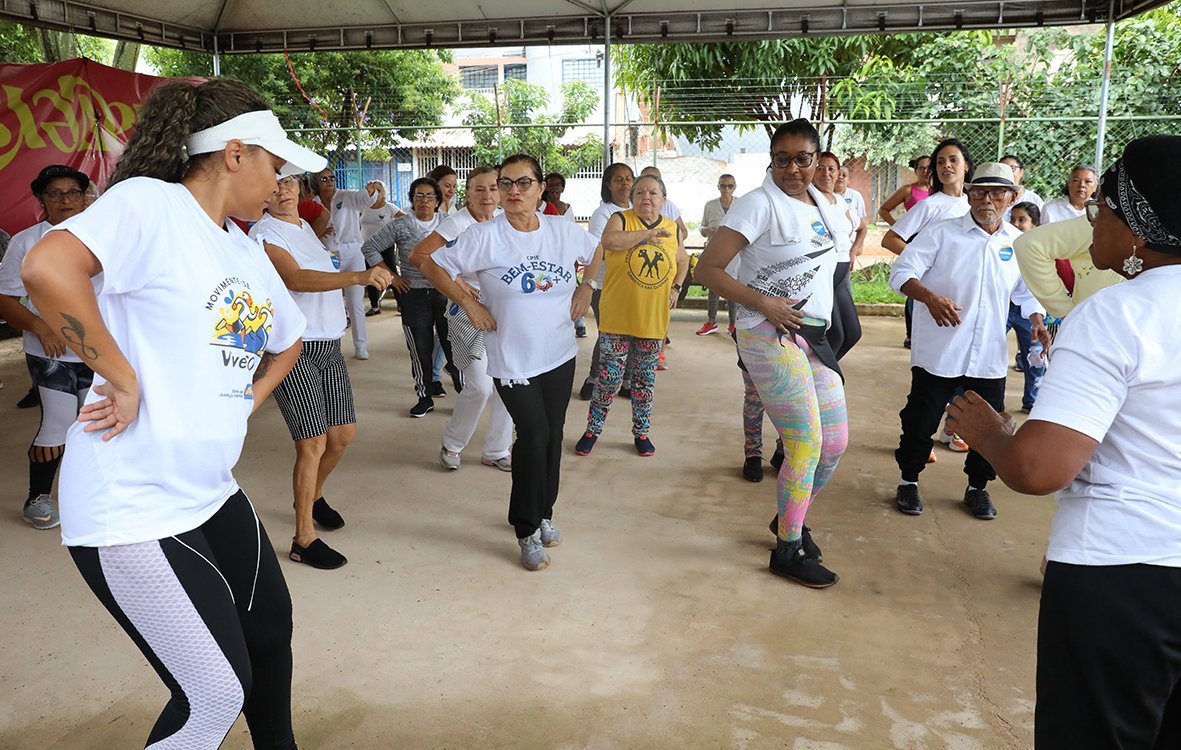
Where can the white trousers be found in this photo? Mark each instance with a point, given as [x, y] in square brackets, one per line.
[354, 294]
[469, 405]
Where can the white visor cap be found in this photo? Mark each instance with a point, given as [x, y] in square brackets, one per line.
[260, 128]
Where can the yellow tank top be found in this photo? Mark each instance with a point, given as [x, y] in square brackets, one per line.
[638, 282]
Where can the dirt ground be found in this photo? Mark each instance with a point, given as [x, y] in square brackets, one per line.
[656, 626]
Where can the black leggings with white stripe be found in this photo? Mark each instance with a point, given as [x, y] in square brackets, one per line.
[211, 612]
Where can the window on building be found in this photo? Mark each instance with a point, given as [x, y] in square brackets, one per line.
[478, 77]
[515, 70]
[583, 69]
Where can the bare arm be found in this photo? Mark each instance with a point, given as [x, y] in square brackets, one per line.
[457, 293]
[1019, 456]
[943, 309]
[616, 239]
[423, 249]
[56, 274]
[21, 317]
[893, 242]
[859, 239]
[272, 368]
[886, 210]
[299, 279]
[320, 223]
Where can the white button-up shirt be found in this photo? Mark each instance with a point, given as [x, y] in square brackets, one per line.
[978, 271]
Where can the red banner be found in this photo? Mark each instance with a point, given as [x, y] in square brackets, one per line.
[78, 113]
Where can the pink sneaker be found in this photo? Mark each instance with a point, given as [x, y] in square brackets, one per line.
[661, 364]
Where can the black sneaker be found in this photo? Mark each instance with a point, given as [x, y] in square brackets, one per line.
[318, 555]
[580, 332]
[644, 446]
[908, 500]
[585, 444]
[790, 562]
[752, 469]
[980, 504]
[436, 390]
[587, 390]
[324, 515]
[777, 459]
[422, 408]
[31, 399]
[811, 549]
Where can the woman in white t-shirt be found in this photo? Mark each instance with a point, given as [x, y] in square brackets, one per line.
[188, 328]
[467, 343]
[372, 222]
[784, 235]
[316, 397]
[1109, 671]
[449, 183]
[525, 265]
[60, 377]
[845, 330]
[1080, 187]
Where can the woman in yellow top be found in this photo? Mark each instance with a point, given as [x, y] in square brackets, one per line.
[646, 267]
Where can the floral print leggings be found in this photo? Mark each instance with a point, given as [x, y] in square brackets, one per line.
[618, 352]
[806, 402]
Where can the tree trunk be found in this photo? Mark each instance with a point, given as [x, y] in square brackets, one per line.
[57, 45]
[126, 55]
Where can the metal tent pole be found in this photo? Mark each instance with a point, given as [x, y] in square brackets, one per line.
[606, 91]
[1108, 50]
[216, 56]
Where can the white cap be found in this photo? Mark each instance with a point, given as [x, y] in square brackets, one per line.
[259, 128]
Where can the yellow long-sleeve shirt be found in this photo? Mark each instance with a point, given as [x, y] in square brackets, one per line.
[1070, 240]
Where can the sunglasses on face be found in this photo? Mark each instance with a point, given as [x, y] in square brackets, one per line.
[803, 159]
[327, 178]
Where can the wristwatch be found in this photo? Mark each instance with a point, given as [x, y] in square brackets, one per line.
[591, 283]
[676, 287]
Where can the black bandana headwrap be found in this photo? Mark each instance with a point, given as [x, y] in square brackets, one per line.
[1141, 193]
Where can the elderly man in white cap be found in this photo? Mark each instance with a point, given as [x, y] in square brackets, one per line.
[962, 273]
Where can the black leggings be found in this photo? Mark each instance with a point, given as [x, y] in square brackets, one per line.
[422, 321]
[211, 612]
[538, 409]
[845, 331]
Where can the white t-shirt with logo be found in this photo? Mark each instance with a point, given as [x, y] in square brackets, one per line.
[12, 285]
[345, 215]
[1115, 376]
[526, 282]
[933, 208]
[801, 271]
[324, 310]
[193, 306]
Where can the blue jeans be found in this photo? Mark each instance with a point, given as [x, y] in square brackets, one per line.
[1033, 375]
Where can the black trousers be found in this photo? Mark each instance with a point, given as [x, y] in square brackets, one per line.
[210, 609]
[1109, 658]
[845, 330]
[925, 407]
[422, 320]
[539, 413]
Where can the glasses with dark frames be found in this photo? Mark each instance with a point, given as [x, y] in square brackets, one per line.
[804, 159]
[522, 183]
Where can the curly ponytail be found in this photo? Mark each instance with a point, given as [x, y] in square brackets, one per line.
[171, 114]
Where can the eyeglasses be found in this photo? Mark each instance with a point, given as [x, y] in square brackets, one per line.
[1092, 209]
[997, 194]
[63, 195]
[522, 183]
[424, 196]
[327, 178]
[726, 187]
[803, 159]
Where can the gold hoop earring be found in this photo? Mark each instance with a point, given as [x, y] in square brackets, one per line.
[1132, 264]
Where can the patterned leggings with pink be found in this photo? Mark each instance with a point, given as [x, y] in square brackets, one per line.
[806, 403]
[617, 353]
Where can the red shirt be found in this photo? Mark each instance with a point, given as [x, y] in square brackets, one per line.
[310, 210]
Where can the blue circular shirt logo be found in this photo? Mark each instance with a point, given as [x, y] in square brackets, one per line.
[1006, 252]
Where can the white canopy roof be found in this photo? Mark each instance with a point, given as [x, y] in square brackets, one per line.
[246, 26]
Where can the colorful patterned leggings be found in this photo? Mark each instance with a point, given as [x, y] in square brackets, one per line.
[617, 352]
[806, 402]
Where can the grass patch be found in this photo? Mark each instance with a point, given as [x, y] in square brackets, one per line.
[871, 285]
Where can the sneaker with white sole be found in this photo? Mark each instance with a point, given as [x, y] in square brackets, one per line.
[550, 536]
[533, 554]
[41, 513]
[449, 460]
[958, 444]
[504, 463]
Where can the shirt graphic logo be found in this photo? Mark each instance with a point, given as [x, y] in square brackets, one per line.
[819, 228]
[1006, 252]
[243, 325]
[536, 275]
[648, 266]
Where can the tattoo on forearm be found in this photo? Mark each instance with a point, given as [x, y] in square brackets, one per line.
[264, 366]
[75, 333]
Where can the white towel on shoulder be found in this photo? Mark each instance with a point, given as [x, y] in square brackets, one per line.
[785, 226]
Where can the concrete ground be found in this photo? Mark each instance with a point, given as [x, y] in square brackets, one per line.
[656, 626]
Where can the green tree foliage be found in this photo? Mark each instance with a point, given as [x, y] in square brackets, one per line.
[521, 103]
[388, 94]
[28, 44]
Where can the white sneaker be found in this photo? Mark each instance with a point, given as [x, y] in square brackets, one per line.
[362, 354]
[533, 554]
[550, 536]
[448, 459]
[504, 463]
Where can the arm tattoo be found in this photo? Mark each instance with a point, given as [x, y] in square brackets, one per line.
[264, 366]
[75, 333]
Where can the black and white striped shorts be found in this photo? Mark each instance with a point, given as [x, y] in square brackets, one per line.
[316, 394]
